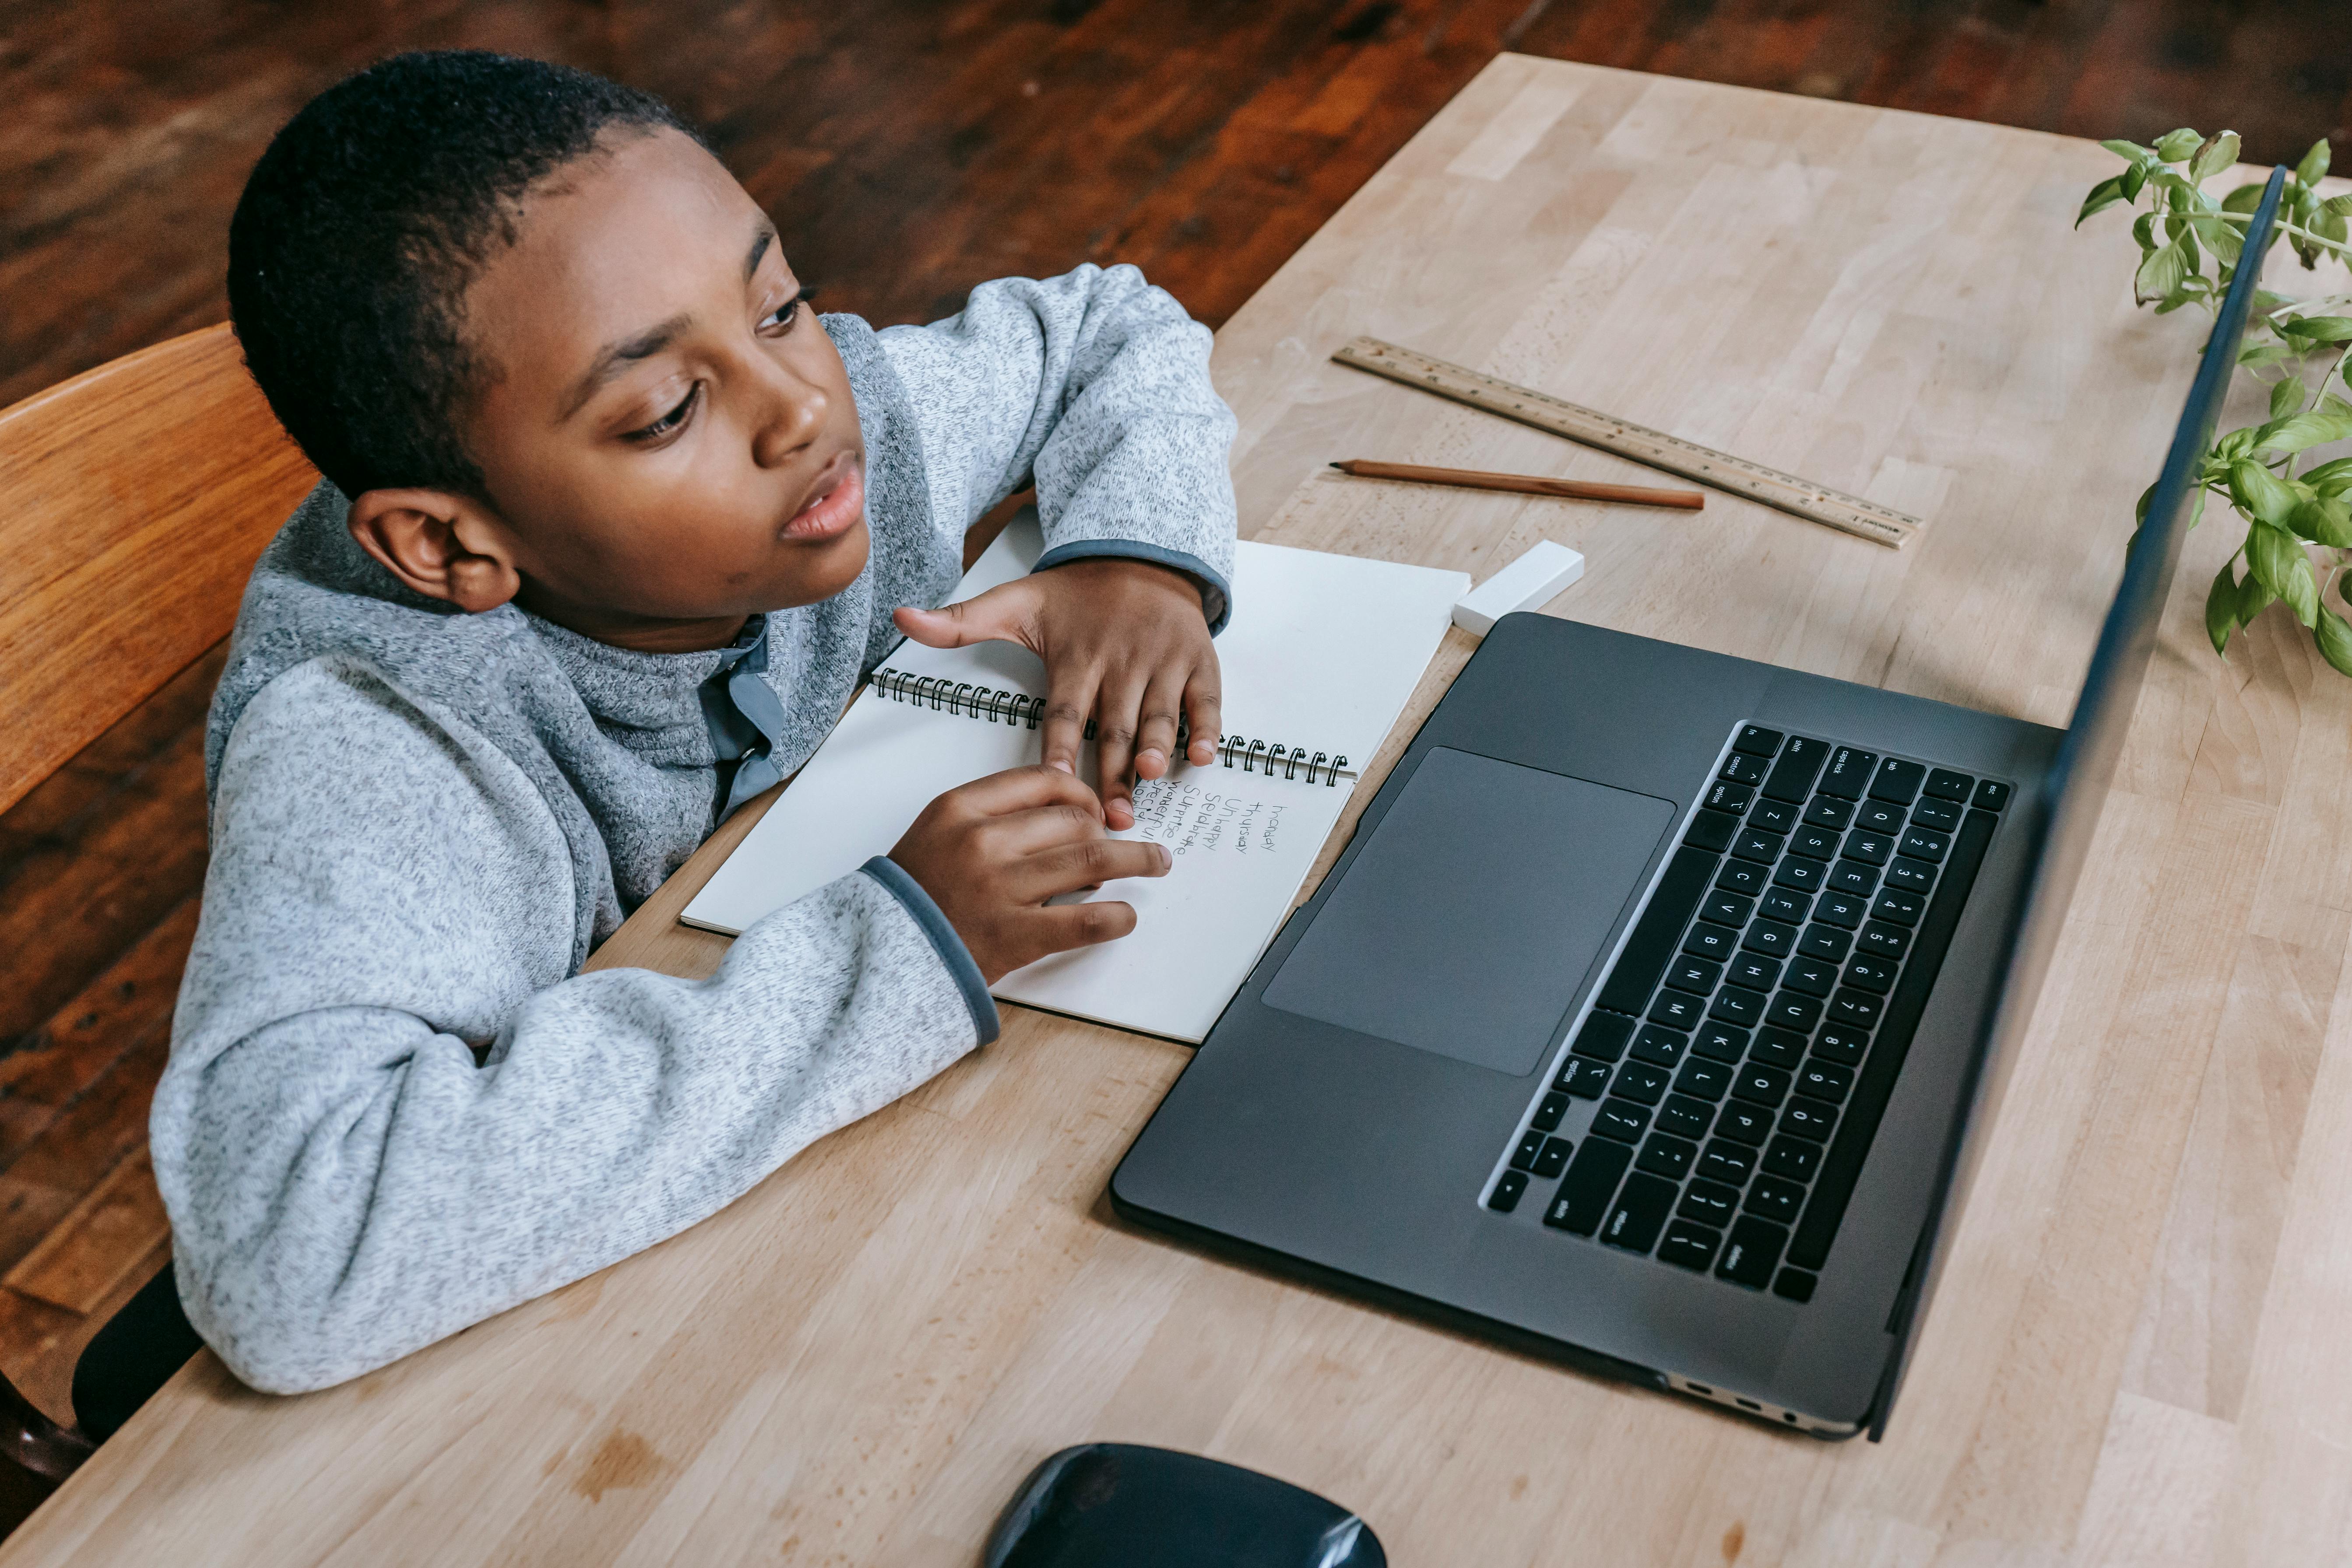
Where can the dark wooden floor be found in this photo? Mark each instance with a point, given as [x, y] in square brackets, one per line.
[907, 150]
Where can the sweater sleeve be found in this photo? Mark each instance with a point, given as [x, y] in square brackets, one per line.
[387, 896]
[1097, 384]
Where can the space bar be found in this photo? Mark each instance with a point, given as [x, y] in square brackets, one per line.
[1875, 1087]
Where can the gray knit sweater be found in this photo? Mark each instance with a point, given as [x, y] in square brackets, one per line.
[424, 821]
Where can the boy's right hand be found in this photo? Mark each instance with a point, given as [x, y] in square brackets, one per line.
[990, 852]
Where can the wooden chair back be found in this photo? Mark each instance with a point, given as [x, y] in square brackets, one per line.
[133, 501]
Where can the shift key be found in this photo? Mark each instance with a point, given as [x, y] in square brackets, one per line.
[1640, 1213]
[1592, 1180]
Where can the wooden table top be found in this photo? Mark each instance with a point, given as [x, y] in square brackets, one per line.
[2130, 1358]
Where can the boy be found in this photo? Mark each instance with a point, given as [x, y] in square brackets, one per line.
[614, 526]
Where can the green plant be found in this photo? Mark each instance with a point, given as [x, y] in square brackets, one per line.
[2182, 234]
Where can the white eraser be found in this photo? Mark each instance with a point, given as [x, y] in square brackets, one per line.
[1530, 581]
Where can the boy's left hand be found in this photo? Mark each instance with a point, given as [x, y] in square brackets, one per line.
[1125, 644]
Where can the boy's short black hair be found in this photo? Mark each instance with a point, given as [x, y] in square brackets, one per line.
[363, 225]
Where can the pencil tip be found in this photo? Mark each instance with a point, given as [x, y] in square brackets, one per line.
[1341, 467]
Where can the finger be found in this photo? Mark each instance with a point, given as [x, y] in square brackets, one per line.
[1069, 697]
[1020, 834]
[1116, 710]
[1063, 927]
[1007, 613]
[1089, 863]
[1024, 789]
[1204, 713]
[1155, 737]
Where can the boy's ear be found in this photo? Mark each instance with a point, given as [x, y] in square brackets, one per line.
[444, 546]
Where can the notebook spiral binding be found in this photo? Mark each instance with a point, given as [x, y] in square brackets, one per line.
[1000, 707]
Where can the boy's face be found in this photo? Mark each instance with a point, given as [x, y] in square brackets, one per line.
[667, 433]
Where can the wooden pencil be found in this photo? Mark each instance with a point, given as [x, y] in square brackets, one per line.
[1523, 484]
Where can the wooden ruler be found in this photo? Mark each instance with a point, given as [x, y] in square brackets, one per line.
[1736, 476]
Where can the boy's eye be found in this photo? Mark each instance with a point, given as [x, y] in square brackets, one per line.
[782, 318]
[669, 421]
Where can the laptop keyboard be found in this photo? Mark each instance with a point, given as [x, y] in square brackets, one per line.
[1719, 1098]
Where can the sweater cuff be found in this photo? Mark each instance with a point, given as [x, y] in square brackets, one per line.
[952, 950]
[1216, 594]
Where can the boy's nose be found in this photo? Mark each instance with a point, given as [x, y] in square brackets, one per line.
[792, 412]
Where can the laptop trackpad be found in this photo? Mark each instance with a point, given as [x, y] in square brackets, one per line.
[1467, 924]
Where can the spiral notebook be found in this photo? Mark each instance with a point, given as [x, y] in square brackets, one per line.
[1322, 654]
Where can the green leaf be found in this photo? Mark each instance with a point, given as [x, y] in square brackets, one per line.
[2318, 329]
[2256, 354]
[2160, 273]
[2322, 521]
[2301, 432]
[2335, 639]
[2253, 599]
[2131, 150]
[2245, 199]
[2231, 448]
[2221, 238]
[2340, 205]
[2216, 153]
[2176, 145]
[2276, 557]
[2144, 231]
[2104, 195]
[2331, 225]
[2260, 494]
[2135, 180]
[2139, 506]
[2331, 478]
[2315, 164]
[2221, 607]
[2286, 398]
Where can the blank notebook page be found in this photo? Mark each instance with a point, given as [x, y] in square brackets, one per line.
[1322, 652]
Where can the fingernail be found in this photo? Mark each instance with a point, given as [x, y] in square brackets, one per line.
[1166, 859]
[1058, 762]
[1154, 755]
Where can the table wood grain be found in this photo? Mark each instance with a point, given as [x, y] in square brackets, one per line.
[2133, 1358]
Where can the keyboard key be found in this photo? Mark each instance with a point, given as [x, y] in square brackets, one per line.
[1640, 1211]
[1584, 1192]
[1853, 877]
[1921, 844]
[1775, 1199]
[1828, 810]
[1813, 976]
[1554, 1158]
[1684, 1117]
[1813, 843]
[1807, 1119]
[1726, 1162]
[1737, 1005]
[1878, 816]
[1897, 781]
[1676, 1010]
[1754, 971]
[1710, 941]
[1653, 942]
[1824, 1080]
[1709, 1203]
[1548, 1114]
[1842, 909]
[1752, 845]
[1783, 904]
[1795, 1285]
[1991, 794]
[1660, 1048]
[1792, 775]
[1940, 817]
[1696, 975]
[1825, 941]
[1792, 1158]
[1869, 844]
[1621, 1120]
[1899, 905]
[1726, 909]
[1856, 1007]
[1689, 1245]
[1740, 768]
[1711, 829]
[1756, 740]
[1722, 1042]
[1866, 974]
[1664, 1156]
[1581, 1080]
[1743, 876]
[1945, 784]
[1639, 1082]
[1848, 774]
[1754, 1246]
[1795, 1010]
[1523, 1158]
[1769, 937]
[1778, 1048]
[1505, 1196]
[1882, 940]
[1773, 816]
[1724, 796]
[1805, 876]
[1743, 1123]
[1763, 1085]
[1604, 1036]
[1704, 1079]
[1841, 1044]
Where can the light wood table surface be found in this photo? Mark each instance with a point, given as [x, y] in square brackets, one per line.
[2135, 1357]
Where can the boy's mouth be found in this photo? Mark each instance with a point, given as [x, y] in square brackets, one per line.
[837, 501]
